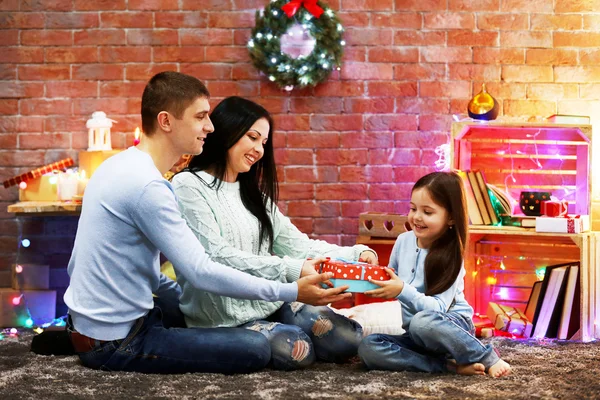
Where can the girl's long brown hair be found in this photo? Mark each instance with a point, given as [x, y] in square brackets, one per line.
[445, 257]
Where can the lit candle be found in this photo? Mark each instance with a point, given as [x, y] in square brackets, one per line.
[82, 183]
[136, 136]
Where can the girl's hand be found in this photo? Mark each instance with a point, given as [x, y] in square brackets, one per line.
[369, 257]
[387, 289]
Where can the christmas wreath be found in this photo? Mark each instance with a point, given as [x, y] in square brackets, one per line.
[312, 17]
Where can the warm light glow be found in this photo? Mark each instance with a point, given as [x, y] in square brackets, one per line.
[82, 174]
[23, 185]
[491, 280]
[18, 269]
[595, 160]
[16, 300]
[503, 293]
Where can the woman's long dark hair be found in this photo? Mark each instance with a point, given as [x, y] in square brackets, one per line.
[232, 118]
[445, 257]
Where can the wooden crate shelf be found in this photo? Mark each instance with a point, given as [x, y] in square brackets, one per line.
[531, 156]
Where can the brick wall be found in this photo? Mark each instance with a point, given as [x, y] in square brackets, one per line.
[355, 143]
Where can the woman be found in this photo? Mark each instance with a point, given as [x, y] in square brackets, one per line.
[228, 196]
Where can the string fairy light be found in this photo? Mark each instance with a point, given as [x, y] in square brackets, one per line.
[19, 302]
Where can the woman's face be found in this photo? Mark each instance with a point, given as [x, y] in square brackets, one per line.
[247, 150]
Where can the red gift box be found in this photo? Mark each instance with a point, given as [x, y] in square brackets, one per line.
[553, 208]
[356, 275]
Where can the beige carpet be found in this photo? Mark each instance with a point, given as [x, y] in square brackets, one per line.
[542, 370]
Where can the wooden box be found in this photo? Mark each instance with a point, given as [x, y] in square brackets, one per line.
[90, 160]
[531, 156]
[381, 225]
[40, 303]
[503, 264]
[30, 277]
[44, 188]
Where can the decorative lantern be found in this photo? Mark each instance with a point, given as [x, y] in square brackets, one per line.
[483, 106]
[99, 131]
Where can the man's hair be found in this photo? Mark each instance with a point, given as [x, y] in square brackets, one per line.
[169, 91]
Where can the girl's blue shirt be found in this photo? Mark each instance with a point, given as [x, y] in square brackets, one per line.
[408, 261]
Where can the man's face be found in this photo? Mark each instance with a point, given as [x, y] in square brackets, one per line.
[189, 132]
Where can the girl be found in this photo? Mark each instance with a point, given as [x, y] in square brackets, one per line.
[228, 197]
[429, 284]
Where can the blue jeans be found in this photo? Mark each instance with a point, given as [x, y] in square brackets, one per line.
[431, 339]
[150, 347]
[300, 333]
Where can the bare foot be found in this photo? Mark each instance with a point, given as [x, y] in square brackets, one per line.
[466, 369]
[501, 368]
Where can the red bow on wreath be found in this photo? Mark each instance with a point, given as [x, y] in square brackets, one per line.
[291, 8]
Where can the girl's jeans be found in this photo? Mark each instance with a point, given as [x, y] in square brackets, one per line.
[431, 339]
[153, 347]
[300, 333]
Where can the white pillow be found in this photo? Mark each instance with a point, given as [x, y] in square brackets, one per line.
[384, 317]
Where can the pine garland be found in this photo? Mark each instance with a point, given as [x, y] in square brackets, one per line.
[265, 46]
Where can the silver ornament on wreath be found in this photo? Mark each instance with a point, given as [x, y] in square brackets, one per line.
[296, 43]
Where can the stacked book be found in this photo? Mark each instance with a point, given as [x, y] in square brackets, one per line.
[553, 305]
[489, 205]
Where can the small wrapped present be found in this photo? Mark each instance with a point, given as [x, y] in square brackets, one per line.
[555, 208]
[566, 224]
[509, 319]
[484, 327]
[354, 274]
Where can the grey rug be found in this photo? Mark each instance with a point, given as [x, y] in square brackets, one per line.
[541, 370]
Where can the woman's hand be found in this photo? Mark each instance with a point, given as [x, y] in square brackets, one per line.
[310, 268]
[311, 265]
[369, 257]
[387, 289]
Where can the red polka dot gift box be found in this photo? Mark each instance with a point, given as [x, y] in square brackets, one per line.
[354, 274]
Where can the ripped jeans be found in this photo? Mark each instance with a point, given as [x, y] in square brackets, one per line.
[300, 333]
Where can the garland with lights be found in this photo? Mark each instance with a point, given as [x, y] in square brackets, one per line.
[317, 20]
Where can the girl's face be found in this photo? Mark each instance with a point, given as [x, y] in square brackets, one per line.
[427, 219]
[247, 150]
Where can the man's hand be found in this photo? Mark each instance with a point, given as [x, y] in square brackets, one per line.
[387, 289]
[311, 292]
[369, 257]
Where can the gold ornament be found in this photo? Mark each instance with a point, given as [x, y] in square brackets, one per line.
[483, 106]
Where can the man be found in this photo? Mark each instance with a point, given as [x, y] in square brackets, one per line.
[129, 216]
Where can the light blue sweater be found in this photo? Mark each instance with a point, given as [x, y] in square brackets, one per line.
[129, 215]
[408, 260]
[230, 233]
